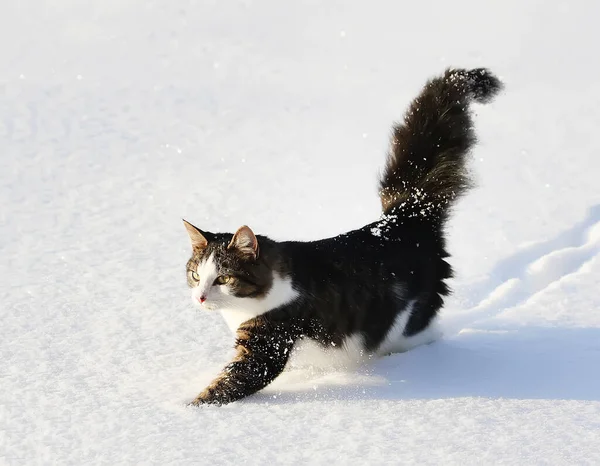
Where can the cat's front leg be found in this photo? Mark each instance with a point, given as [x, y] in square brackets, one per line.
[263, 348]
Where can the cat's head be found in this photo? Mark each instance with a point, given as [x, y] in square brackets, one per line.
[226, 270]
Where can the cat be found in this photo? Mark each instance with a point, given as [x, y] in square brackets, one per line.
[365, 293]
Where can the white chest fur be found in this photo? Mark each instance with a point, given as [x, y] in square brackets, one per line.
[241, 309]
[235, 316]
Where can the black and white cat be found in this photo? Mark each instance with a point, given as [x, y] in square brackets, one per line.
[365, 293]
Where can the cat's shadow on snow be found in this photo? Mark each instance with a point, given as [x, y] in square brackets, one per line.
[524, 363]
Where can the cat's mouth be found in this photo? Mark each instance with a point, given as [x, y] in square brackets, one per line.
[206, 305]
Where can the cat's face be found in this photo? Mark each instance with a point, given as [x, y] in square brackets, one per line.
[225, 270]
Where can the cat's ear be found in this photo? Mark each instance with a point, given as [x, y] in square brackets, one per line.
[199, 241]
[245, 242]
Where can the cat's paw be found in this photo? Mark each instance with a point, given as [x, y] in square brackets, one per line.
[196, 403]
[210, 397]
[200, 401]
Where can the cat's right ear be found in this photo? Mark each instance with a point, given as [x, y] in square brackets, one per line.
[199, 241]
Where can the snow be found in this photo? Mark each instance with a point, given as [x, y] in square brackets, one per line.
[118, 118]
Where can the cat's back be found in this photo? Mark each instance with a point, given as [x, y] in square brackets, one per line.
[377, 247]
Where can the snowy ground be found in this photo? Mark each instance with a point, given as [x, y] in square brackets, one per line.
[117, 118]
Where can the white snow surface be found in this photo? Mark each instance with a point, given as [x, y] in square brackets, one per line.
[118, 118]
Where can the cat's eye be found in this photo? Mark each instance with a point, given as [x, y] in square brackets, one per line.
[223, 279]
[195, 276]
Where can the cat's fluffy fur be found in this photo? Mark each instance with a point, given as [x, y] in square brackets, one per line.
[373, 290]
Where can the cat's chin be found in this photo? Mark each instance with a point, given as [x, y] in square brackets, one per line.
[206, 306]
[212, 305]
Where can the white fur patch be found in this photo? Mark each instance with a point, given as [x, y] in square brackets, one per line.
[396, 342]
[349, 355]
[207, 271]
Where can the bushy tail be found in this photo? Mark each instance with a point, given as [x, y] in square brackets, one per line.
[425, 167]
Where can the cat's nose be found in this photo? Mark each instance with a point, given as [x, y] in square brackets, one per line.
[202, 299]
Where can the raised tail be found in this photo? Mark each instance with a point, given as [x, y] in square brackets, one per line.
[425, 167]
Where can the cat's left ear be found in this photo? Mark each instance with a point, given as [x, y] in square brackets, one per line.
[245, 242]
[198, 239]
